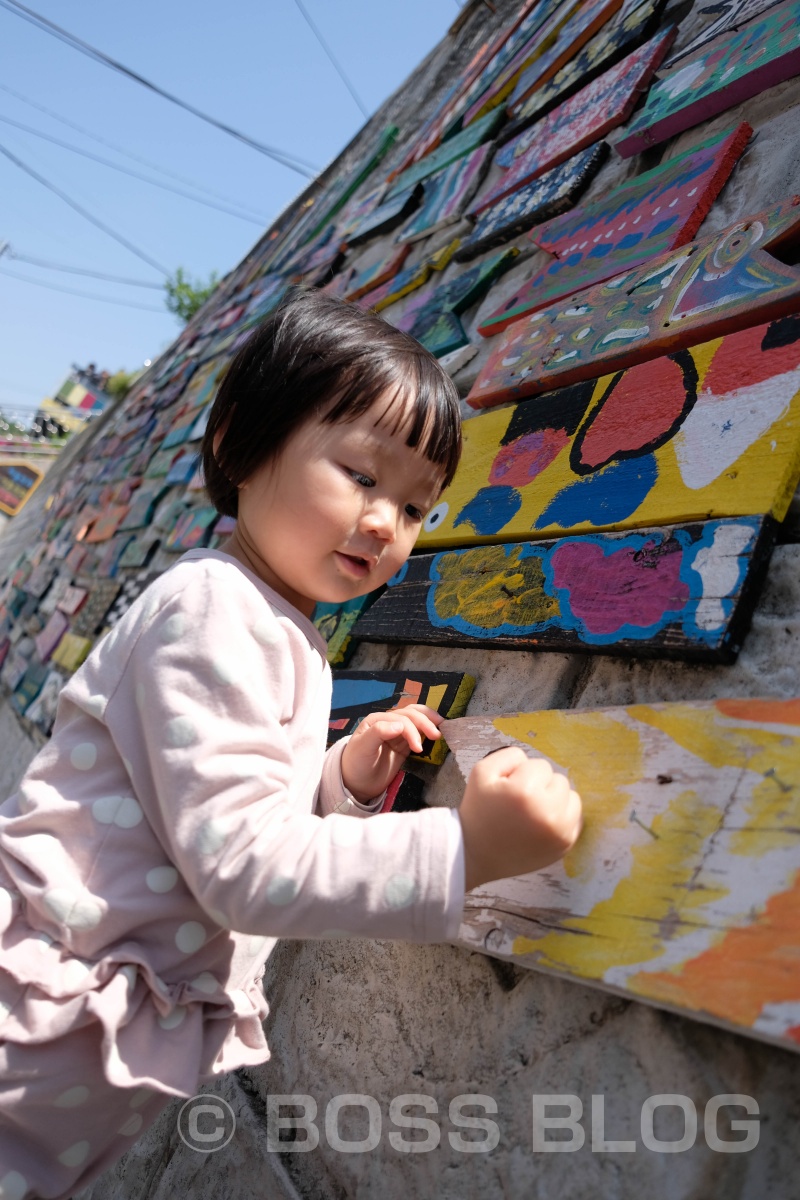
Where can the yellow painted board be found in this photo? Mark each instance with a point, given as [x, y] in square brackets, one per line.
[683, 890]
[713, 431]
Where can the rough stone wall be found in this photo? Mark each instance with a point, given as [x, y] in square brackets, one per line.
[387, 1018]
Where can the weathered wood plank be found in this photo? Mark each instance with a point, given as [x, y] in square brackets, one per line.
[633, 24]
[681, 592]
[435, 320]
[587, 20]
[408, 280]
[585, 118]
[732, 14]
[683, 890]
[643, 217]
[378, 274]
[719, 284]
[447, 194]
[553, 193]
[709, 432]
[358, 693]
[387, 216]
[454, 148]
[335, 622]
[735, 67]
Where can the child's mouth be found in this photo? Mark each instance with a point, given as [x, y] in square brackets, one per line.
[358, 566]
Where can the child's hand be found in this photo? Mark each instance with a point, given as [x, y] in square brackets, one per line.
[517, 815]
[381, 744]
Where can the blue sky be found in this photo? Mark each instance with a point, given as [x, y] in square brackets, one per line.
[252, 63]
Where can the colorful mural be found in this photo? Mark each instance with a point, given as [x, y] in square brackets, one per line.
[709, 432]
[735, 67]
[721, 283]
[731, 14]
[451, 150]
[681, 592]
[686, 875]
[633, 223]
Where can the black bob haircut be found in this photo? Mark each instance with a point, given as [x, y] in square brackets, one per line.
[317, 354]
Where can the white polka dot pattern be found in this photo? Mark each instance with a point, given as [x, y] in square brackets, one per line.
[266, 631]
[83, 756]
[74, 909]
[122, 811]
[72, 1097]
[75, 1155]
[190, 937]
[211, 836]
[400, 891]
[13, 1186]
[205, 982]
[76, 973]
[173, 1019]
[6, 908]
[180, 732]
[173, 629]
[132, 1125]
[282, 890]
[161, 879]
[141, 1096]
[228, 670]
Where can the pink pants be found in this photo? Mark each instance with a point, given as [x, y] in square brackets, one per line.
[61, 1123]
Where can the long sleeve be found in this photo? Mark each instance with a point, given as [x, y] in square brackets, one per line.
[225, 735]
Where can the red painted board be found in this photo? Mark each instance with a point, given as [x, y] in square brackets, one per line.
[737, 66]
[589, 17]
[378, 274]
[575, 124]
[723, 282]
[645, 216]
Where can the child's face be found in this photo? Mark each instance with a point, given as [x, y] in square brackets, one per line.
[339, 511]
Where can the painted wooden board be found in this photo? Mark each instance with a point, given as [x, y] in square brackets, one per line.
[192, 529]
[530, 32]
[378, 274]
[632, 25]
[539, 38]
[709, 432]
[71, 651]
[106, 525]
[719, 284]
[735, 67]
[643, 217]
[680, 592]
[587, 20]
[454, 148]
[387, 216]
[579, 121]
[358, 693]
[447, 193]
[335, 622]
[731, 14]
[354, 213]
[436, 323]
[102, 595]
[684, 884]
[554, 193]
[410, 279]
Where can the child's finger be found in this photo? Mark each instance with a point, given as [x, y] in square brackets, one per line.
[398, 725]
[427, 720]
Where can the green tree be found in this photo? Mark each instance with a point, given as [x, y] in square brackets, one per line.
[184, 296]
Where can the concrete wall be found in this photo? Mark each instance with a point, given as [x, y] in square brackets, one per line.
[387, 1018]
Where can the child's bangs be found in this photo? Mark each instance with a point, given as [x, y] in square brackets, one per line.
[434, 422]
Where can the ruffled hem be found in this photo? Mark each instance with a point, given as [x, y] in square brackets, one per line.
[165, 1036]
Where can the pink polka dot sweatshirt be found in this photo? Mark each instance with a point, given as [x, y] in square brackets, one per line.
[185, 815]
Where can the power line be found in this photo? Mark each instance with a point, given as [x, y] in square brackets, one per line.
[151, 262]
[199, 187]
[129, 171]
[51, 266]
[63, 35]
[54, 287]
[329, 52]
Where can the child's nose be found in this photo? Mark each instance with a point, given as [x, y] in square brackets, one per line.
[380, 519]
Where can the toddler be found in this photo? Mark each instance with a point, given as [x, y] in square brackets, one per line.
[185, 814]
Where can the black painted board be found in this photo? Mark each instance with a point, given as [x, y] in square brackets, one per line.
[645, 593]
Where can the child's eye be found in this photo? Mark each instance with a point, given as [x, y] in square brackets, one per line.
[413, 512]
[364, 480]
